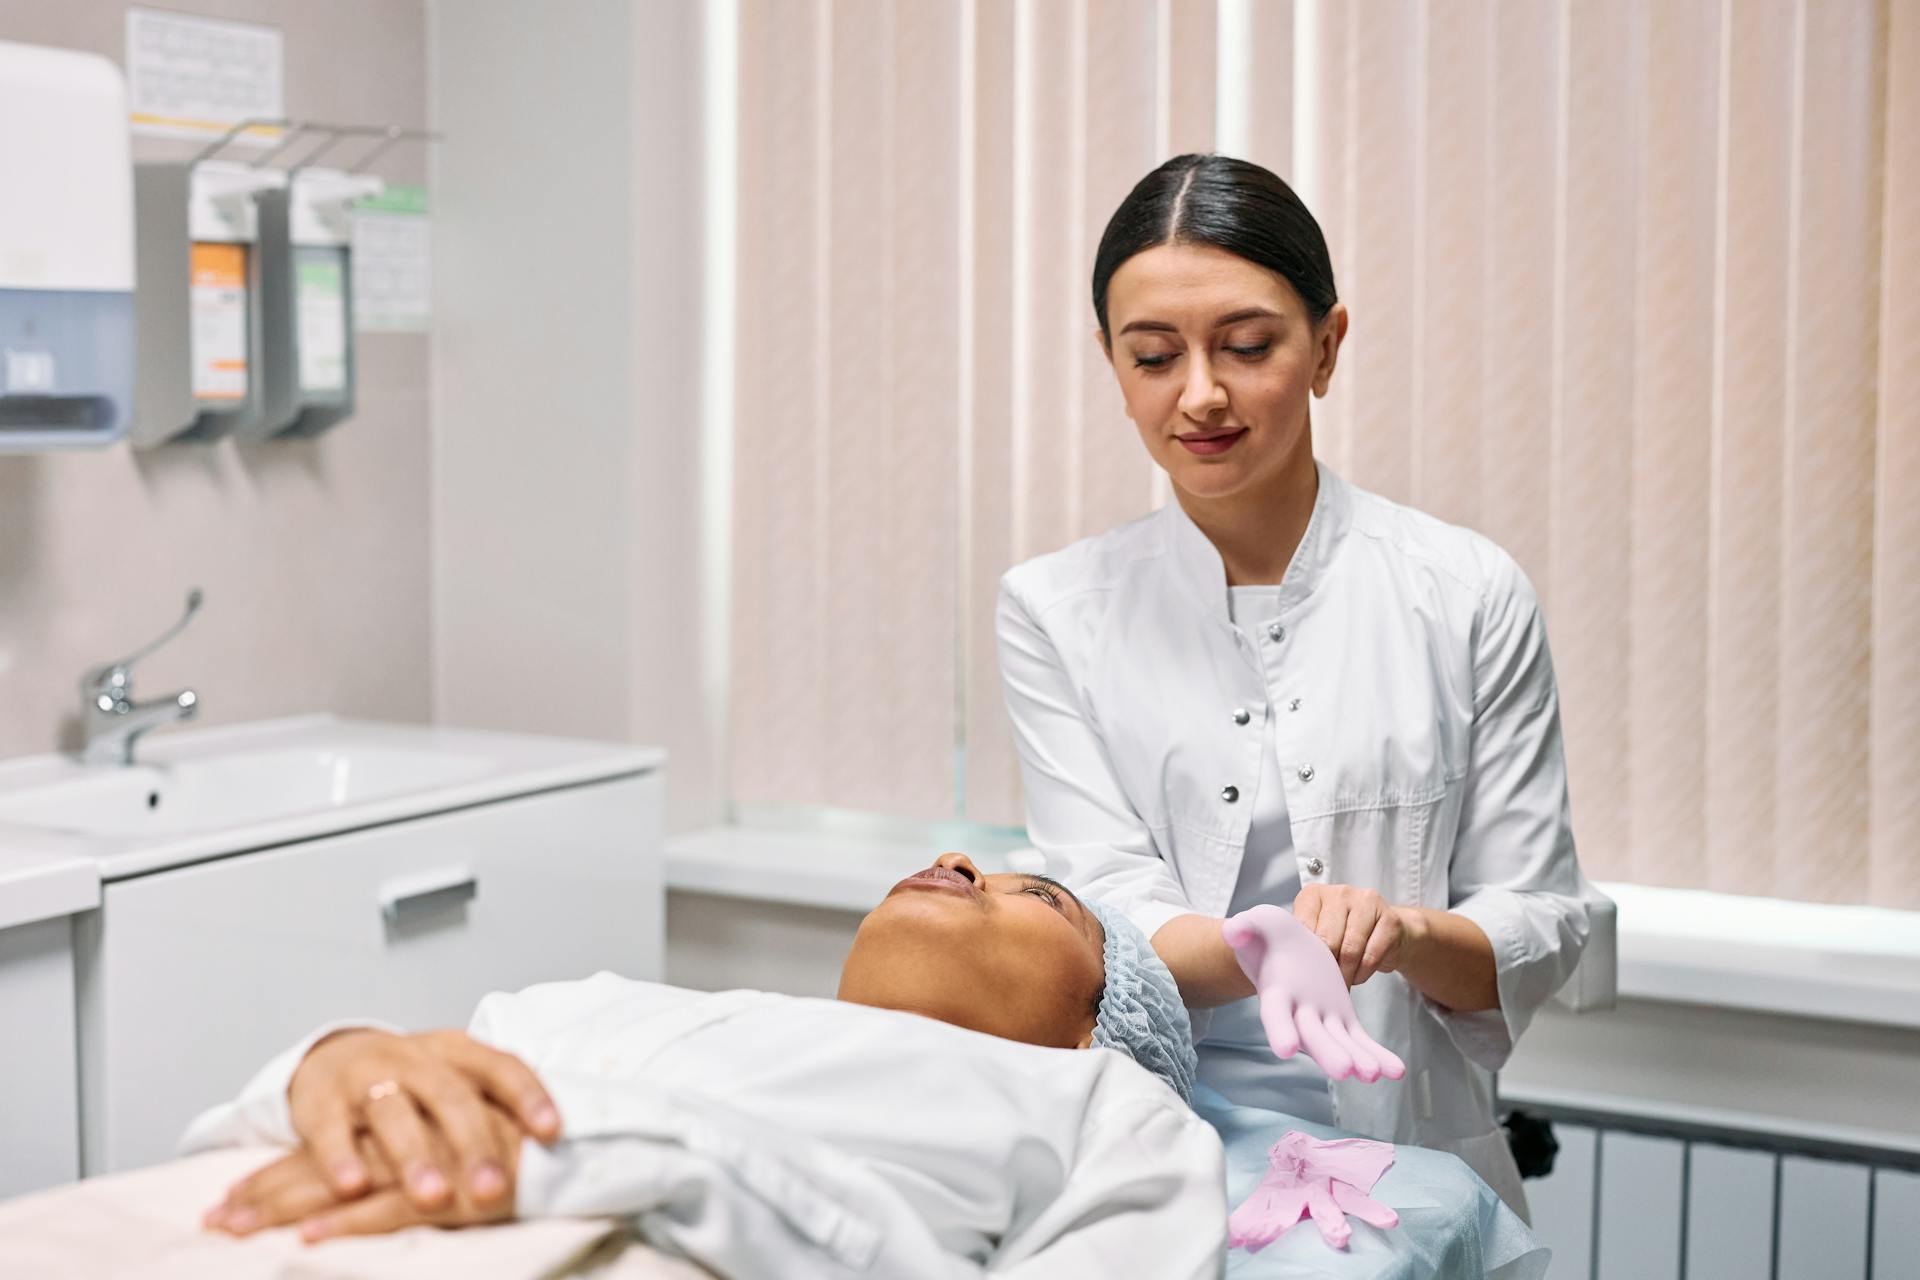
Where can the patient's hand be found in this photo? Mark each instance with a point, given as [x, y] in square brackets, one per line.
[425, 1100]
[294, 1189]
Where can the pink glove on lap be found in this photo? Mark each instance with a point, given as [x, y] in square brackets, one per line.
[1304, 1002]
[1323, 1180]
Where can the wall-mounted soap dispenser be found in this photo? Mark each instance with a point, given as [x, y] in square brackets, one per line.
[66, 250]
[306, 298]
[198, 301]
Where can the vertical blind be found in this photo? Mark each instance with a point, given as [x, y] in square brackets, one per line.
[1635, 291]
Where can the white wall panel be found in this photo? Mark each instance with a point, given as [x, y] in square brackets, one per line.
[1896, 1225]
[1562, 1202]
[1823, 1219]
[1729, 1213]
[1640, 1182]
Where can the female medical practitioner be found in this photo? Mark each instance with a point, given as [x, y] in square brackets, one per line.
[1281, 689]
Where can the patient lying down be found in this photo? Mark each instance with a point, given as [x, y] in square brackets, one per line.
[936, 1119]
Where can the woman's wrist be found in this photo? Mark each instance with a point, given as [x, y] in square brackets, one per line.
[1202, 963]
[1448, 958]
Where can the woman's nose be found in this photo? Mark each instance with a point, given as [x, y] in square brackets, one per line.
[959, 862]
[1203, 396]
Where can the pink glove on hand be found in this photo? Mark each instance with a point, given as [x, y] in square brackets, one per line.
[1326, 1180]
[1303, 999]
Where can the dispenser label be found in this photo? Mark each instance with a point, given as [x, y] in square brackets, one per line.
[220, 321]
[322, 319]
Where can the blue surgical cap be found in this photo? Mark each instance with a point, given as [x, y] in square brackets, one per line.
[1141, 1013]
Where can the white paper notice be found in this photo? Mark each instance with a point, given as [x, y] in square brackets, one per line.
[392, 263]
[189, 77]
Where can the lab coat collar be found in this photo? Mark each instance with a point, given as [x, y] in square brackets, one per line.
[1198, 563]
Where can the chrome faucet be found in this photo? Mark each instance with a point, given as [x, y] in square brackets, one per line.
[110, 720]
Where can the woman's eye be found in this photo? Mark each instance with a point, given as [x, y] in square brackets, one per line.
[1259, 350]
[1150, 362]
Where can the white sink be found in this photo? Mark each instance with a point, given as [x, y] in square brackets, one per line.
[232, 791]
[203, 793]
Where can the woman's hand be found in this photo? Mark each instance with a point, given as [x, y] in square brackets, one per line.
[424, 1099]
[295, 1189]
[1365, 932]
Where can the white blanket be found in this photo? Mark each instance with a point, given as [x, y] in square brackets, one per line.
[765, 1135]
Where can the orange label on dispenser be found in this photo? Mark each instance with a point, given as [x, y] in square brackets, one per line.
[219, 305]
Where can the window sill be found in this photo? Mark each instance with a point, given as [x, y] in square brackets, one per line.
[1812, 960]
[1854, 964]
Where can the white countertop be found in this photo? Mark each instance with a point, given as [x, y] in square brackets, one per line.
[45, 872]
[1859, 964]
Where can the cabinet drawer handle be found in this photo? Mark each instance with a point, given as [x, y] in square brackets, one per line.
[402, 900]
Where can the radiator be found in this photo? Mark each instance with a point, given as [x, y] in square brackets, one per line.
[1634, 1196]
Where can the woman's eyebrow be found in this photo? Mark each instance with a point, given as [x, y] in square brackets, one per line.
[1232, 317]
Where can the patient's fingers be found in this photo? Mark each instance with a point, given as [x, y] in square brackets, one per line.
[287, 1191]
[1322, 1048]
[397, 1125]
[475, 1149]
[508, 1081]
[327, 1126]
[381, 1211]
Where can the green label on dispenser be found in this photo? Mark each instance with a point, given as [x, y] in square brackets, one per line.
[322, 319]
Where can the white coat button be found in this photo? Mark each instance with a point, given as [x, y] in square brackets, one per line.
[1276, 632]
[1241, 715]
[1306, 773]
[1229, 794]
[1294, 705]
[1315, 866]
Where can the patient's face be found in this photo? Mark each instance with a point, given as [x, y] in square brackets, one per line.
[1010, 955]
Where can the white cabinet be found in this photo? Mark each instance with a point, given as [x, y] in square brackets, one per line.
[39, 1126]
[191, 978]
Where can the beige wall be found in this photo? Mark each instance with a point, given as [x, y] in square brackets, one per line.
[566, 379]
[313, 555]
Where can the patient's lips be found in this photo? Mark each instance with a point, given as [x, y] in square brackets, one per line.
[938, 879]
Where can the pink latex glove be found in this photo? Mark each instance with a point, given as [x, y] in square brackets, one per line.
[1323, 1180]
[1303, 998]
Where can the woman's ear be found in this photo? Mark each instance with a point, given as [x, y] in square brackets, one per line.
[1328, 335]
[1106, 347]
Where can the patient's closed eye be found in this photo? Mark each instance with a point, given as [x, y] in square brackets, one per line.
[1042, 889]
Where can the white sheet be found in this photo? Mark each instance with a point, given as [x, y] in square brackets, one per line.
[145, 1226]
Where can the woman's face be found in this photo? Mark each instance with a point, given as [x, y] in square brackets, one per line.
[1010, 955]
[1216, 358]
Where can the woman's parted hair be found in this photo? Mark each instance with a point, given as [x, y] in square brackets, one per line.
[1230, 204]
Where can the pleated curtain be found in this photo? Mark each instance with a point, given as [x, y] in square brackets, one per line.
[1635, 289]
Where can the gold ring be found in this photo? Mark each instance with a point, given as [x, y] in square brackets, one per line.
[383, 1089]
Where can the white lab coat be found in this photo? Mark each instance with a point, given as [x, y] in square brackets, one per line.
[1419, 744]
[767, 1135]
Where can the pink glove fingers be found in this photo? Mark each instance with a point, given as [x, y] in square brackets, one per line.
[1358, 1204]
[1390, 1065]
[1280, 1019]
[1321, 1047]
[1266, 1214]
[1364, 1064]
[1326, 1214]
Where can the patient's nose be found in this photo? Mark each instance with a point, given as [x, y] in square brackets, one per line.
[959, 862]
